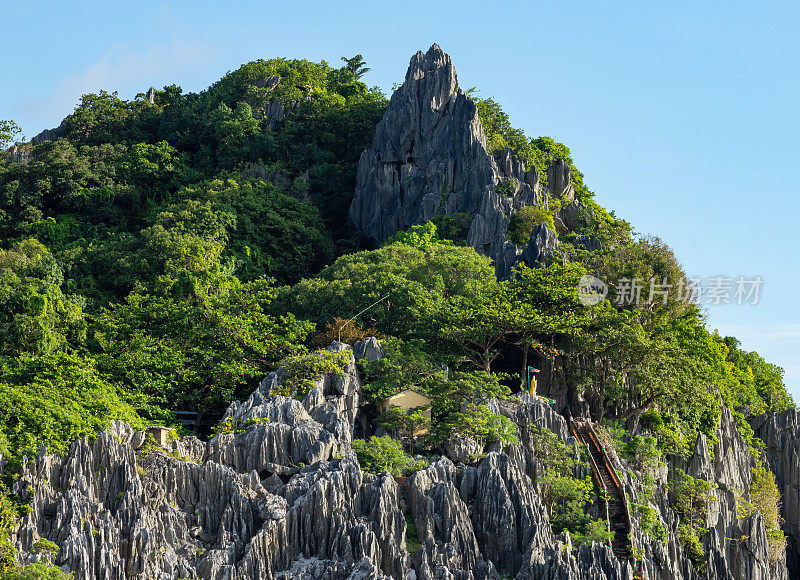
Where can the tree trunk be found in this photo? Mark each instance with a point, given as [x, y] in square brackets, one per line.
[525, 367]
[487, 360]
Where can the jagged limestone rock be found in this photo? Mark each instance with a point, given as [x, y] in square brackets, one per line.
[369, 349]
[780, 433]
[542, 246]
[286, 498]
[269, 82]
[461, 449]
[429, 157]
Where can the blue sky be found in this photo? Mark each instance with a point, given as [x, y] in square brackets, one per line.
[682, 116]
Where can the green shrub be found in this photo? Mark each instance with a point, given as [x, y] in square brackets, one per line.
[480, 424]
[35, 571]
[406, 422]
[414, 465]
[302, 372]
[650, 522]
[651, 420]
[691, 497]
[594, 531]
[566, 497]
[453, 227]
[524, 220]
[507, 187]
[672, 441]
[556, 457]
[379, 454]
[405, 365]
[412, 539]
[766, 498]
[237, 426]
[45, 546]
[690, 540]
[55, 400]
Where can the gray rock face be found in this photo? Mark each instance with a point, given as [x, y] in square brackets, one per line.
[429, 151]
[733, 462]
[780, 433]
[429, 157]
[460, 449]
[114, 517]
[486, 521]
[285, 497]
[315, 429]
[49, 134]
[735, 543]
[19, 153]
[268, 83]
[542, 246]
[559, 181]
[369, 349]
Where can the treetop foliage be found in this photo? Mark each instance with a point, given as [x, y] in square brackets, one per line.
[162, 256]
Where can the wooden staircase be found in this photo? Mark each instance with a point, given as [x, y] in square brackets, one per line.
[617, 513]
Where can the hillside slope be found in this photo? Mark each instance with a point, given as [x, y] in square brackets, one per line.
[284, 496]
[181, 276]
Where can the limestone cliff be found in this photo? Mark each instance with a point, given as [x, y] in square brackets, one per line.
[780, 433]
[283, 496]
[430, 157]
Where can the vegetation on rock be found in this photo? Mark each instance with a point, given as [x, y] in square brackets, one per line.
[165, 256]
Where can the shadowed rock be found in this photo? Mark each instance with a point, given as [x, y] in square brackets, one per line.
[429, 157]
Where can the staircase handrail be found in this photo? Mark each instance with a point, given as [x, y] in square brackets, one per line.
[596, 471]
[617, 482]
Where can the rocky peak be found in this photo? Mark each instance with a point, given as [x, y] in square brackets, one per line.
[429, 157]
[432, 76]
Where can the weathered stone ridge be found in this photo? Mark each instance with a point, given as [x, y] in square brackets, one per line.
[284, 497]
[780, 433]
[429, 157]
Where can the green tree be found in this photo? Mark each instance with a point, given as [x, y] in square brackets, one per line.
[271, 232]
[356, 66]
[379, 454]
[195, 342]
[35, 571]
[692, 498]
[405, 365]
[422, 276]
[406, 422]
[36, 318]
[478, 422]
[9, 131]
[524, 220]
[196, 336]
[766, 498]
[53, 400]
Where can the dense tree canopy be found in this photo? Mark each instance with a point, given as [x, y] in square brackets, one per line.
[161, 256]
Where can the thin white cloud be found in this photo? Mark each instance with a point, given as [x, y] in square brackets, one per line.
[126, 71]
[767, 332]
[778, 343]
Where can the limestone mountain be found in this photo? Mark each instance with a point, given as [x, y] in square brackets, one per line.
[271, 330]
[430, 157]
